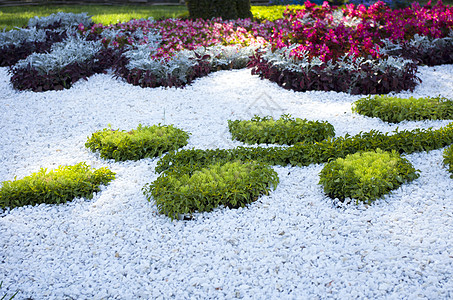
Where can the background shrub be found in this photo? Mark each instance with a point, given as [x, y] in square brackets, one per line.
[366, 176]
[136, 144]
[232, 184]
[226, 9]
[395, 110]
[285, 130]
[54, 187]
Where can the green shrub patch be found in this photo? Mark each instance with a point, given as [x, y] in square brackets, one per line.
[232, 184]
[448, 159]
[366, 176]
[285, 130]
[395, 110]
[54, 187]
[304, 154]
[138, 143]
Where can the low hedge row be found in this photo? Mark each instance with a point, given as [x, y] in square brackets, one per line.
[366, 176]
[285, 130]
[231, 184]
[303, 154]
[395, 110]
[448, 159]
[145, 141]
[54, 187]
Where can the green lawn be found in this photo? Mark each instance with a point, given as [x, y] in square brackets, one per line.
[18, 16]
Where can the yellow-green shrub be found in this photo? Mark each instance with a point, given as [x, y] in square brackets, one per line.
[138, 143]
[54, 187]
[366, 176]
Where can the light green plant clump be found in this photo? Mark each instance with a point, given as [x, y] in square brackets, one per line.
[272, 13]
[54, 187]
[138, 143]
[395, 110]
[366, 176]
[448, 159]
[232, 184]
[285, 130]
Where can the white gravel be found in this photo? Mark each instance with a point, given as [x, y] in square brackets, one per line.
[293, 244]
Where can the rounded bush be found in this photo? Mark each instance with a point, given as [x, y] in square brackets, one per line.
[366, 176]
[285, 130]
[54, 187]
[395, 110]
[145, 141]
[232, 184]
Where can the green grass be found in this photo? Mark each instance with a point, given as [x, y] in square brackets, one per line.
[18, 16]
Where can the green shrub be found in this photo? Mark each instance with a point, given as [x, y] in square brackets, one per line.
[448, 159]
[232, 184]
[271, 13]
[282, 131]
[304, 154]
[137, 144]
[226, 9]
[366, 176]
[395, 110]
[54, 187]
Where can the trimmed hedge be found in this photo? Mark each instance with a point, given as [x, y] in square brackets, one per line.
[54, 187]
[366, 176]
[136, 144]
[395, 110]
[232, 184]
[226, 9]
[285, 130]
[303, 154]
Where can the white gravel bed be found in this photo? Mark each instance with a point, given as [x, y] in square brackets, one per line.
[293, 244]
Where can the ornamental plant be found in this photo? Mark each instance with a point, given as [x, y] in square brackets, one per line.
[231, 184]
[366, 176]
[285, 130]
[395, 110]
[304, 154]
[145, 141]
[54, 187]
[448, 159]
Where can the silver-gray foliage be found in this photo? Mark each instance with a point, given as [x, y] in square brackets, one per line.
[21, 35]
[65, 19]
[71, 50]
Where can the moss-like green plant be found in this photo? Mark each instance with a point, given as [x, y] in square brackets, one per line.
[366, 176]
[136, 144]
[395, 110]
[54, 187]
[232, 184]
[285, 130]
[304, 154]
[448, 159]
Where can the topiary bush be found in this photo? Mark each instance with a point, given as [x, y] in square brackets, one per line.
[54, 187]
[232, 184]
[285, 130]
[145, 141]
[395, 110]
[366, 176]
[448, 159]
[304, 154]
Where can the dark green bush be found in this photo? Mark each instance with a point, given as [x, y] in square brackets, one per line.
[54, 187]
[366, 176]
[232, 184]
[303, 154]
[137, 144]
[395, 110]
[282, 131]
[448, 159]
[226, 9]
